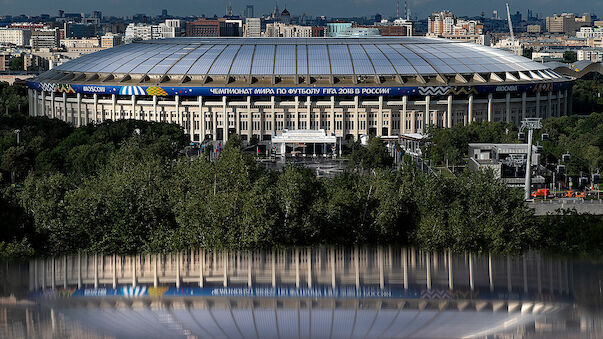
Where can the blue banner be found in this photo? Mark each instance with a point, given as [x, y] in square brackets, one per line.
[343, 292]
[298, 91]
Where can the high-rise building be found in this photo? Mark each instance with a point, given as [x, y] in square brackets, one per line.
[45, 38]
[567, 23]
[212, 28]
[110, 40]
[283, 30]
[78, 31]
[249, 11]
[164, 13]
[336, 27]
[253, 27]
[17, 37]
[439, 23]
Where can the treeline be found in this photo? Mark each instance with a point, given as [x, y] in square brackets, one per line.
[581, 136]
[110, 189]
[125, 187]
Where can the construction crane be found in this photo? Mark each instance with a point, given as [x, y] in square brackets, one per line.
[511, 29]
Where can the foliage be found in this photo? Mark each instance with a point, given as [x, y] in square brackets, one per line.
[16, 64]
[581, 136]
[573, 233]
[570, 56]
[375, 155]
[451, 144]
[587, 95]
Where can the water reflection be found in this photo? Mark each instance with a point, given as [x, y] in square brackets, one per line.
[311, 292]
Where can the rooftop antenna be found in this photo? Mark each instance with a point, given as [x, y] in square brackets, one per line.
[406, 9]
[397, 9]
[511, 29]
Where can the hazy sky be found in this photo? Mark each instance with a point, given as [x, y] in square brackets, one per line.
[420, 8]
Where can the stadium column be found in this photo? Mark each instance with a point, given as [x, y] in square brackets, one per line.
[178, 115]
[380, 117]
[558, 113]
[449, 112]
[565, 102]
[537, 105]
[297, 112]
[214, 124]
[201, 119]
[79, 109]
[549, 104]
[237, 120]
[332, 123]
[403, 120]
[134, 113]
[52, 108]
[426, 116]
[225, 118]
[249, 119]
[30, 99]
[356, 119]
[309, 117]
[35, 103]
[63, 114]
[570, 108]
[413, 122]
[490, 107]
[191, 123]
[389, 123]
[155, 109]
[319, 118]
[114, 108]
[43, 103]
[272, 106]
[508, 107]
[95, 107]
[470, 110]
[523, 105]
[403, 115]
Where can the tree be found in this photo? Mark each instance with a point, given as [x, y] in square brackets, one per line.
[374, 155]
[570, 56]
[16, 64]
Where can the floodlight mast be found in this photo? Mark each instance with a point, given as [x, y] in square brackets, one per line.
[530, 124]
[511, 29]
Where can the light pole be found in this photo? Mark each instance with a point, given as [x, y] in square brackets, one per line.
[530, 124]
[18, 133]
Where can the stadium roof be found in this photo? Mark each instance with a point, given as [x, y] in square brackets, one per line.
[299, 61]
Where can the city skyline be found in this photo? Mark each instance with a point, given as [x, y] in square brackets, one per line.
[357, 8]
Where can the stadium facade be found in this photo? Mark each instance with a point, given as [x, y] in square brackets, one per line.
[214, 87]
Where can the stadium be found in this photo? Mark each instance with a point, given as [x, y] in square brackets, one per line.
[258, 87]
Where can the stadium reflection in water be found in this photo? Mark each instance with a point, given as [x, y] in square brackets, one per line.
[301, 293]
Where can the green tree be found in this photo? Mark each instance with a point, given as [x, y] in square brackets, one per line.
[570, 56]
[16, 64]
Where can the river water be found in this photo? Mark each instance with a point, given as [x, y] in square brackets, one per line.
[319, 292]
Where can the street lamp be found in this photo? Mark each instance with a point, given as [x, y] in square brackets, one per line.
[18, 133]
[530, 124]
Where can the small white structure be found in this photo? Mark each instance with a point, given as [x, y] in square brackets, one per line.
[317, 139]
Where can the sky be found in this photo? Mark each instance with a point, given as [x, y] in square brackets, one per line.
[329, 8]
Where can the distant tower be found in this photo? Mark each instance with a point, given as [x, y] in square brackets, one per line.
[397, 9]
[249, 11]
[276, 12]
[229, 9]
